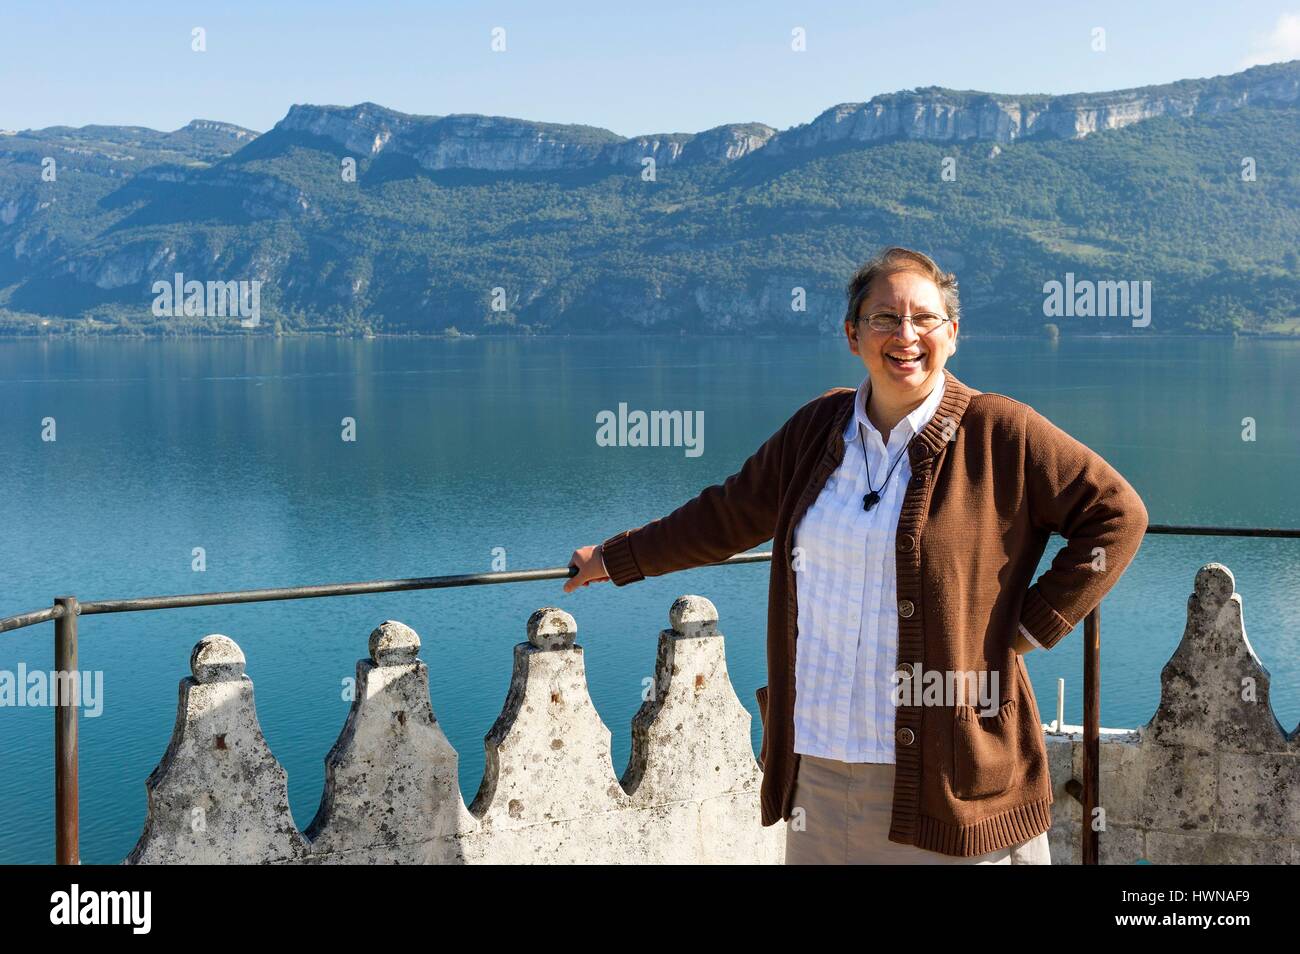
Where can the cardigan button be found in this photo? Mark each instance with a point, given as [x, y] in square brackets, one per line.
[905, 544]
[906, 609]
[905, 737]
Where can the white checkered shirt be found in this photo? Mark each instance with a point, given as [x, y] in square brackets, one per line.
[847, 643]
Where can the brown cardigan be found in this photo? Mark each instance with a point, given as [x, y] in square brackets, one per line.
[992, 479]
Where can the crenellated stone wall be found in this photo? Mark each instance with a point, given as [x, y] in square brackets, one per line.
[1212, 778]
[549, 793]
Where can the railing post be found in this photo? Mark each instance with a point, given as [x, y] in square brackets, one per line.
[1060, 705]
[1091, 734]
[67, 849]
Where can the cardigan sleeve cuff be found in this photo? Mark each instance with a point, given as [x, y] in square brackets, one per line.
[1043, 625]
[1030, 636]
[620, 564]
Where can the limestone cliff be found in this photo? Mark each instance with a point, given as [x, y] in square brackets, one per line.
[499, 144]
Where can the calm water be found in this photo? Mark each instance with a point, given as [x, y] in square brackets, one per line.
[468, 445]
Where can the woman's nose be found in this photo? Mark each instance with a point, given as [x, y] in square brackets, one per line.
[906, 332]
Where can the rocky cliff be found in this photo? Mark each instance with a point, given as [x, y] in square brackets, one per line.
[501, 144]
[934, 114]
[498, 144]
[943, 115]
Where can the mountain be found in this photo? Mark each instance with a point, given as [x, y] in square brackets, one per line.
[494, 144]
[201, 141]
[943, 115]
[364, 218]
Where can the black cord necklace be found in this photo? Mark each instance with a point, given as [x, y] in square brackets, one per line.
[872, 497]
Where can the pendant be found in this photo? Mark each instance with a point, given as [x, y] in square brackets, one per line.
[870, 500]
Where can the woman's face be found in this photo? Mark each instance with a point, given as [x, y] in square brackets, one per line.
[904, 365]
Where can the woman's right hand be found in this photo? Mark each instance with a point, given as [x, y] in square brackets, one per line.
[591, 568]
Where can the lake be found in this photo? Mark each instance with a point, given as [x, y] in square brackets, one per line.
[462, 446]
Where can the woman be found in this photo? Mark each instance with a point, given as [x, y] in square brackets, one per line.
[908, 519]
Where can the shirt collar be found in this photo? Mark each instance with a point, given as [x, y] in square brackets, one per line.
[913, 422]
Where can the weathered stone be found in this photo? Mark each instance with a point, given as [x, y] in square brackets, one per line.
[548, 758]
[1214, 690]
[690, 744]
[552, 628]
[1063, 841]
[1211, 779]
[218, 796]
[392, 793]
[1121, 844]
[1258, 795]
[1123, 780]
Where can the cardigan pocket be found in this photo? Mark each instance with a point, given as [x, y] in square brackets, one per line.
[761, 694]
[984, 751]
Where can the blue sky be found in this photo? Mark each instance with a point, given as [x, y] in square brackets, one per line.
[633, 68]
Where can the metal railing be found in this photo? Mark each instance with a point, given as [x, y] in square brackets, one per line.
[66, 610]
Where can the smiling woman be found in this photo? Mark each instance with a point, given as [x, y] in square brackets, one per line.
[908, 516]
[910, 311]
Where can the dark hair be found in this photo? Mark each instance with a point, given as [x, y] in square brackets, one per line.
[898, 259]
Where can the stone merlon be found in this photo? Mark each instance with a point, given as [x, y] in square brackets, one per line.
[1212, 778]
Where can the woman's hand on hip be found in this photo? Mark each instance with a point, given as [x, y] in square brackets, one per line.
[591, 568]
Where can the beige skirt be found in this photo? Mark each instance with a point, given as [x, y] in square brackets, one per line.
[846, 814]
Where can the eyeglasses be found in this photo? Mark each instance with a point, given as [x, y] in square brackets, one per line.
[923, 321]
